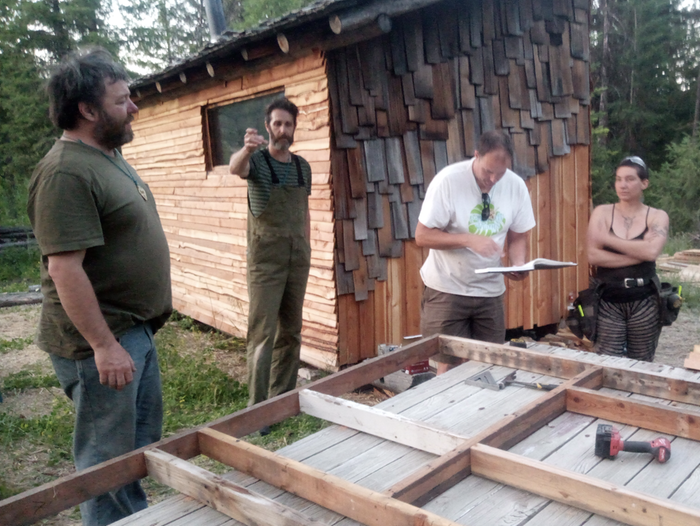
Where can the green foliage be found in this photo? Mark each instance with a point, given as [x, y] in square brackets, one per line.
[288, 431]
[15, 344]
[258, 11]
[675, 188]
[680, 242]
[33, 34]
[25, 131]
[20, 263]
[157, 34]
[53, 432]
[27, 379]
[604, 159]
[184, 322]
[19, 268]
[7, 490]
[194, 391]
[651, 66]
[55, 27]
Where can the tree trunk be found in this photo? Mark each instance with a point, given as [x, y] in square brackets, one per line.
[634, 48]
[697, 107]
[61, 44]
[603, 106]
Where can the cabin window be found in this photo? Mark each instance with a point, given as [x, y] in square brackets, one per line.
[227, 124]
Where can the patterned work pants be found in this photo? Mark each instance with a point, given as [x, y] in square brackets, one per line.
[629, 329]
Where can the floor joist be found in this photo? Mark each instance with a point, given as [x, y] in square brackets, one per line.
[216, 492]
[666, 419]
[615, 377]
[446, 471]
[581, 491]
[358, 503]
[460, 455]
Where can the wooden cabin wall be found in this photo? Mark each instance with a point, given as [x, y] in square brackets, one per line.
[204, 212]
[406, 104]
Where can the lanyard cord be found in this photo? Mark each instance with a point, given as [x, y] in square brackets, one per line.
[122, 170]
[139, 188]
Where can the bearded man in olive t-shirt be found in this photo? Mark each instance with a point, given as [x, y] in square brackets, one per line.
[105, 273]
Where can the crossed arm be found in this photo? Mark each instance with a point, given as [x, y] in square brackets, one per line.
[631, 251]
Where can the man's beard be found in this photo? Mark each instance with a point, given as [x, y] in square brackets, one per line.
[113, 133]
[281, 141]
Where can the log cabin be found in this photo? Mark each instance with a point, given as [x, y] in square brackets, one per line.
[389, 93]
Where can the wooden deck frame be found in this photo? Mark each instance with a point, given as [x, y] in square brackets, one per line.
[576, 394]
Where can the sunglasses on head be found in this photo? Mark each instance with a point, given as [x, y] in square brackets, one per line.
[485, 207]
[636, 160]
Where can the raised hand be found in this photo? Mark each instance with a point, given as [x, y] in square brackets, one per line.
[252, 140]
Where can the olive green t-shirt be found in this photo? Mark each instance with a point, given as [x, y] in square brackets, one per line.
[81, 199]
[260, 179]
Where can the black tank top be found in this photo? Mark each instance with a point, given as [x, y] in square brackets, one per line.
[645, 269]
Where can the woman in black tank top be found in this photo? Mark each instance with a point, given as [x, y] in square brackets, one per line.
[624, 240]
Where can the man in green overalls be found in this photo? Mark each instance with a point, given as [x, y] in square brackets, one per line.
[279, 253]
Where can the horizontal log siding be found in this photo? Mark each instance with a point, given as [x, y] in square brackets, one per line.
[204, 212]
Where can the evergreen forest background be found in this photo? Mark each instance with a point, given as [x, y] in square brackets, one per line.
[645, 77]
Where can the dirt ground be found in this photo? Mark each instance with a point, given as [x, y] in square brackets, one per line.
[20, 322]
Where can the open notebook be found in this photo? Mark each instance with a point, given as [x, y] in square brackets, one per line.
[535, 264]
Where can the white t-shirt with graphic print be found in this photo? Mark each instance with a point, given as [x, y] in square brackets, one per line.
[453, 204]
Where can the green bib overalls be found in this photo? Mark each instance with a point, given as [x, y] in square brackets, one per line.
[279, 257]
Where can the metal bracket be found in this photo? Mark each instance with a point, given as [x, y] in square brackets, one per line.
[485, 380]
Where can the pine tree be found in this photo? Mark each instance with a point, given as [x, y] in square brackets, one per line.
[33, 35]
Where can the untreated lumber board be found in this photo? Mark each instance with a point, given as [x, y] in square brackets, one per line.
[377, 422]
[220, 494]
[444, 472]
[582, 491]
[358, 503]
[666, 419]
[624, 379]
[66, 492]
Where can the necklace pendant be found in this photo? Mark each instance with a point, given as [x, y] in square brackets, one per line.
[143, 193]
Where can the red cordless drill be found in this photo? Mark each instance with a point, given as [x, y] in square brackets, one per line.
[608, 444]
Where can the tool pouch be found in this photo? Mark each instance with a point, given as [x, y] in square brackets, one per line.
[582, 318]
[670, 301]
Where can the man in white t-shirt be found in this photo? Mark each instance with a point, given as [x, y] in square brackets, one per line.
[471, 208]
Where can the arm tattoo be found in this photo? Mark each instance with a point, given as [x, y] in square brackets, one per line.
[658, 231]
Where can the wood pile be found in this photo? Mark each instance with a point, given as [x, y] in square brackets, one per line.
[16, 236]
[13, 299]
[693, 359]
[685, 263]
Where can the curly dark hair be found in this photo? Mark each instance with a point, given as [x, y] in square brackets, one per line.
[80, 77]
[282, 103]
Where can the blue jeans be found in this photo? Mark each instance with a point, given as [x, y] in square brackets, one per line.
[109, 423]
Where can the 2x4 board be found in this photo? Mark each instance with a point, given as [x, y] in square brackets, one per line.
[442, 453]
